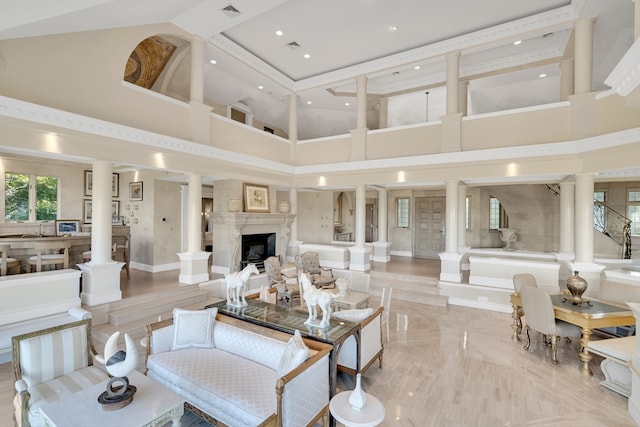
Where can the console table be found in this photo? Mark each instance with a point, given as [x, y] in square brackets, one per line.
[288, 319]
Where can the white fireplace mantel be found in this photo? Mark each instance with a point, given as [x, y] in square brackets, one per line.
[244, 218]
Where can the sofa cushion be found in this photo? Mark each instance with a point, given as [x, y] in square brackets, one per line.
[193, 328]
[250, 345]
[295, 353]
[355, 315]
[211, 376]
[52, 390]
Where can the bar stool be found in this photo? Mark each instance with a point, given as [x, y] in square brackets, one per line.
[45, 257]
[8, 263]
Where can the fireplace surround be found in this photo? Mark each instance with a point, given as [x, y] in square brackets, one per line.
[255, 248]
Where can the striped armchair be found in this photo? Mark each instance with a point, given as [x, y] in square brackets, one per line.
[50, 363]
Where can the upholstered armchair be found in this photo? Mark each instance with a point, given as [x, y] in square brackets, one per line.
[309, 263]
[44, 376]
[287, 292]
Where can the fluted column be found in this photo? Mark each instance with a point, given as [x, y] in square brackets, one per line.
[583, 55]
[453, 72]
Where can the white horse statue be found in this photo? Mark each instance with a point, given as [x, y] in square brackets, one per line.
[316, 297]
[237, 283]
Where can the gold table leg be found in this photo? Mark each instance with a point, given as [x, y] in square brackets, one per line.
[585, 356]
[516, 325]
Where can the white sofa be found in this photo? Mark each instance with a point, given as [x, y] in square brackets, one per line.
[371, 347]
[238, 377]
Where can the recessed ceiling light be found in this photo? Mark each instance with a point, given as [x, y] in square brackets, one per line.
[260, 87]
[543, 75]
[393, 28]
[346, 104]
[417, 67]
[307, 56]
[213, 61]
[517, 42]
[279, 33]
[309, 102]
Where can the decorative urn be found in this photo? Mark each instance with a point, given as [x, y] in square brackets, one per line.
[576, 286]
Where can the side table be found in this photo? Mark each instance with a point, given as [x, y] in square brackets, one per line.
[370, 415]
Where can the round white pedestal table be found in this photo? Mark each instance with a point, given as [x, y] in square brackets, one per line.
[370, 415]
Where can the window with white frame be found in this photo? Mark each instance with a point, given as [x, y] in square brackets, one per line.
[30, 198]
[402, 212]
[633, 210]
[497, 216]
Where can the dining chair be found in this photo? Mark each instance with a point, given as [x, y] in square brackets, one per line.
[8, 264]
[287, 292]
[49, 253]
[385, 303]
[541, 318]
[519, 281]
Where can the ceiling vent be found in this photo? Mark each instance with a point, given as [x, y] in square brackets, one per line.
[230, 11]
[293, 45]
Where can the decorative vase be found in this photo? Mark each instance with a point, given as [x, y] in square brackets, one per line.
[508, 236]
[357, 398]
[284, 207]
[234, 205]
[576, 286]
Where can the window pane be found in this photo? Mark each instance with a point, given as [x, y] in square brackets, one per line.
[634, 216]
[634, 196]
[16, 200]
[46, 198]
[494, 213]
[402, 212]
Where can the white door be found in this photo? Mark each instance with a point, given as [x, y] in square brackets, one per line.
[429, 227]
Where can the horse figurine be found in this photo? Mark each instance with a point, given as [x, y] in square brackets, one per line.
[237, 283]
[315, 297]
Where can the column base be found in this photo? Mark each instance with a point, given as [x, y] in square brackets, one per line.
[450, 269]
[381, 252]
[100, 283]
[360, 258]
[193, 267]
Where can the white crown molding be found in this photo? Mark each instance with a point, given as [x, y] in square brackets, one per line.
[625, 77]
[22, 110]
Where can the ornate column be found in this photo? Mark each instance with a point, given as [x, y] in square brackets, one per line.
[101, 276]
[194, 262]
[584, 262]
[583, 55]
[359, 253]
[450, 259]
[382, 248]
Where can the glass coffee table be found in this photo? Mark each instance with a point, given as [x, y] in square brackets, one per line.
[287, 319]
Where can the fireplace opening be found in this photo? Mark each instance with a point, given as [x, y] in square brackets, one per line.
[256, 248]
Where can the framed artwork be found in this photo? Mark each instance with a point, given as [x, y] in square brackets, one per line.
[88, 184]
[87, 210]
[135, 191]
[256, 198]
[67, 226]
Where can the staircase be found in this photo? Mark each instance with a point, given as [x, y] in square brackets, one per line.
[418, 289]
[132, 314]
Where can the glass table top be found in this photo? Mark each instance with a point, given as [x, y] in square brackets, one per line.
[287, 319]
[597, 308]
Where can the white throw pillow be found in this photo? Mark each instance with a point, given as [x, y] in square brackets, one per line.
[193, 328]
[355, 315]
[294, 354]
